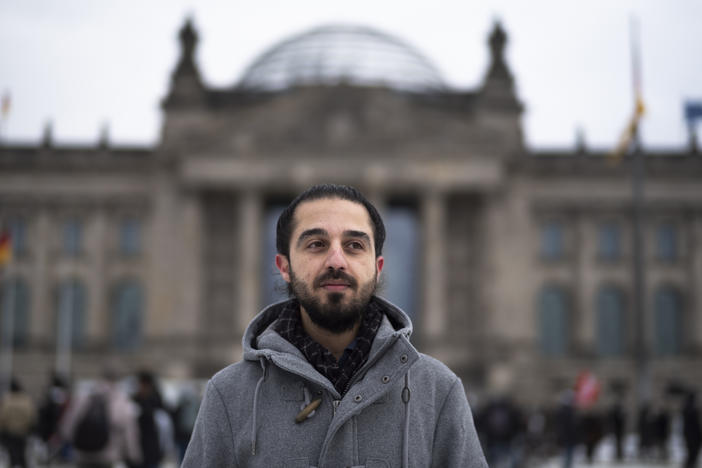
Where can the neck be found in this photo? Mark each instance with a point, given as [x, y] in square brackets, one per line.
[336, 343]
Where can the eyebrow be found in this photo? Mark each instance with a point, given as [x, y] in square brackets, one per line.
[310, 233]
[323, 232]
[360, 234]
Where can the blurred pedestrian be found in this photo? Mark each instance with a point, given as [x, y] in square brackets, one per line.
[17, 420]
[53, 407]
[617, 423]
[591, 431]
[102, 426]
[645, 429]
[155, 427]
[692, 432]
[566, 427]
[501, 424]
[661, 431]
[184, 417]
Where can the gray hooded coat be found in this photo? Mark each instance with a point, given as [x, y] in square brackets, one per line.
[401, 409]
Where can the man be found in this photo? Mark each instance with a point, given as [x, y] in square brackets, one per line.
[102, 425]
[329, 378]
[17, 419]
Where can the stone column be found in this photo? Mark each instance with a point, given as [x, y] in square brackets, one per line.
[163, 265]
[433, 213]
[97, 309]
[191, 314]
[43, 309]
[582, 324]
[250, 218]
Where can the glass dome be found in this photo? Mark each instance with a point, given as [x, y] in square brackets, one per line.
[336, 54]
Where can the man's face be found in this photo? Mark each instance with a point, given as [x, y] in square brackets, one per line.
[332, 268]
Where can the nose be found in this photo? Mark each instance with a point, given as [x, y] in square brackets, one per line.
[336, 258]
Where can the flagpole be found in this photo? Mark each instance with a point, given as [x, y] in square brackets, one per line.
[638, 182]
[8, 332]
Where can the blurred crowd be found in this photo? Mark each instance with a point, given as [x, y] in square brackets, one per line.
[100, 423]
[128, 421]
[516, 437]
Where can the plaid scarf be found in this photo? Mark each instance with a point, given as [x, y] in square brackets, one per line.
[289, 326]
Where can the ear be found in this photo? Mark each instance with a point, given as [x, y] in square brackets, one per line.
[283, 265]
[379, 263]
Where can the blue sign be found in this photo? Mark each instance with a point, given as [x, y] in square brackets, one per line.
[693, 111]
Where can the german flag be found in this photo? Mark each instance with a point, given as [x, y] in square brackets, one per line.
[5, 248]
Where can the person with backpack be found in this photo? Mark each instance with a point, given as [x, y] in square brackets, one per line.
[102, 425]
[17, 419]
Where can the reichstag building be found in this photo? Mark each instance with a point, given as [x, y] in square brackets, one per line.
[511, 262]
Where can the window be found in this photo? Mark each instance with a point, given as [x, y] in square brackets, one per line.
[70, 313]
[667, 242]
[72, 237]
[130, 237]
[609, 242]
[554, 317]
[14, 298]
[400, 269]
[668, 319]
[552, 241]
[610, 321]
[17, 229]
[127, 310]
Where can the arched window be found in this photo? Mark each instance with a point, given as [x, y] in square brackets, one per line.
[127, 311]
[668, 315]
[14, 298]
[610, 321]
[554, 316]
[70, 312]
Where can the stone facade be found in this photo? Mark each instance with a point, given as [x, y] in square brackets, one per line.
[456, 160]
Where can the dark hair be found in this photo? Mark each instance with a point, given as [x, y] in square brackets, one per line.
[343, 192]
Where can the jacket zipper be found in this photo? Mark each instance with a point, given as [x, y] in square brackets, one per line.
[368, 364]
[336, 403]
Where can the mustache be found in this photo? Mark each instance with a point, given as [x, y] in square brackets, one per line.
[335, 275]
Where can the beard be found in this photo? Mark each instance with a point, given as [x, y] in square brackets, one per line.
[333, 315]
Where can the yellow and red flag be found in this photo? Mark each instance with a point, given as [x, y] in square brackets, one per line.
[632, 127]
[5, 248]
[630, 131]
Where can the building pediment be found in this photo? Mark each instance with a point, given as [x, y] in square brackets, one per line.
[339, 119]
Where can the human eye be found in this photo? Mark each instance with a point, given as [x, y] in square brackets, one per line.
[315, 244]
[356, 245]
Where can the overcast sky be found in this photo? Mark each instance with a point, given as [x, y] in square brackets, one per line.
[85, 63]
